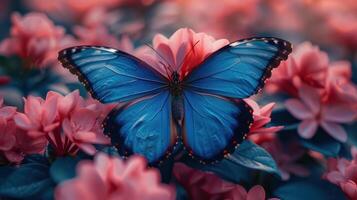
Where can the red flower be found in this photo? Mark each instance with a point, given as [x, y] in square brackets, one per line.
[110, 178]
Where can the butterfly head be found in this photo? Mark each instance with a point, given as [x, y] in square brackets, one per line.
[175, 84]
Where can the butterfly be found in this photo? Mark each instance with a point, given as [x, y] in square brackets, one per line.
[204, 112]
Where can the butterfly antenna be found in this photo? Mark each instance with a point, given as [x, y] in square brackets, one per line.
[189, 52]
[167, 68]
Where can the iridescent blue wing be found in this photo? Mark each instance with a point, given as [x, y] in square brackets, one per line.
[239, 69]
[142, 121]
[213, 125]
[215, 118]
[144, 127]
[111, 75]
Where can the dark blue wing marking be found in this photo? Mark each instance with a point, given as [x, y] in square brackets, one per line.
[111, 75]
[143, 127]
[214, 126]
[239, 69]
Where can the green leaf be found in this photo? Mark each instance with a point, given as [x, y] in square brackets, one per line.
[63, 168]
[240, 166]
[322, 143]
[30, 179]
[253, 156]
[309, 189]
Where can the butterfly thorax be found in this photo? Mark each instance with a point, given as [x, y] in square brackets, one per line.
[175, 84]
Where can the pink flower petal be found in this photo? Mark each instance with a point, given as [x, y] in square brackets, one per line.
[350, 188]
[13, 156]
[256, 193]
[33, 108]
[267, 109]
[7, 112]
[87, 148]
[339, 113]
[83, 119]
[24, 122]
[307, 128]
[298, 109]
[49, 110]
[51, 127]
[67, 103]
[310, 97]
[335, 130]
[91, 137]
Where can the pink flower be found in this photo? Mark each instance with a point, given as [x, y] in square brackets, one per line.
[111, 178]
[343, 172]
[183, 51]
[39, 117]
[79, 129]
[68, 122]
[314, 112]
[286, 157]
[307, 65]
[258, 132]
[339, 86]
[14, 143]
[34, 38]
[204, 185]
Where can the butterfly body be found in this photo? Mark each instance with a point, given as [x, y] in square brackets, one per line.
[203, 111]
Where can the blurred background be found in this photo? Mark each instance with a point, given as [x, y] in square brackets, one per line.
[311, 130]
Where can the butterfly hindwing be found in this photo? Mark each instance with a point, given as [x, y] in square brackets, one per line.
[213, 125]
[143, 127]
[111, 75]
[239, 69]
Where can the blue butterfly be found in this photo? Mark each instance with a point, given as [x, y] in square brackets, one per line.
[204, 112]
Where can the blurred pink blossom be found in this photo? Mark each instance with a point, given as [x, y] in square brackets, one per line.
[314, 112]
[183, 51]
[228, 18]
[339, 86]
[340, 20]
[286, 157]
[343, 172]
[306, 65]
[71, 10]
[99, 35]
[258, 132]
[205, 185]
[66, 122]
[34, 38]
[111, 178]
